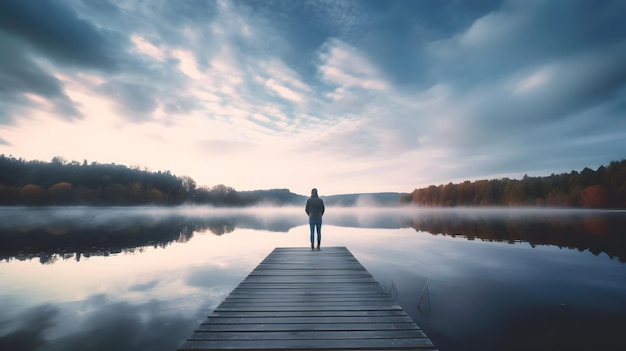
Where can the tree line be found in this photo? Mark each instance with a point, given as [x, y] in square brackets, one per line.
[59, 182]
[602, 188]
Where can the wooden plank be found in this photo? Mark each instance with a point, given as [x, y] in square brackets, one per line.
[299, 344]
[315, 306]
[321, 279]
[288, 314]
[269, 299]
[319, 287]
[309, 319]
[306, 326]
[307, 334]
[308, 308]
[299, 273]
[303, 301]
[298, 299]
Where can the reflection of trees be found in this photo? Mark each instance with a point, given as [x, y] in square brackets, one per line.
[76, 242]
[222, 226]
[91, 232]
[56, 241]
[598, 233]
[53, 238]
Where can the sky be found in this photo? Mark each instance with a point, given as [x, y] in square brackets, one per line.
[345, 96]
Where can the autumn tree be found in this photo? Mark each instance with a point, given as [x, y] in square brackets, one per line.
[32, 194]
[62, 193]
[605, 187]
[594, 196]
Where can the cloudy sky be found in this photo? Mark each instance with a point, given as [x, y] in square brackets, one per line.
[346, 96]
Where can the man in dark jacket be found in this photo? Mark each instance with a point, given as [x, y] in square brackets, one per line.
[315, 209]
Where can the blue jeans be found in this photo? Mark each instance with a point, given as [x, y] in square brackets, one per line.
[313, 223]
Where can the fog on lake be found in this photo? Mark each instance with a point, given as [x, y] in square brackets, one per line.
[143, 278]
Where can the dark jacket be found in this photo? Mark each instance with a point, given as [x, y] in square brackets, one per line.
[314, 208]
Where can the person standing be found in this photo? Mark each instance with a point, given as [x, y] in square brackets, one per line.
[315, 209]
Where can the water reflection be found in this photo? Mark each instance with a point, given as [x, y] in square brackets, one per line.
[596, 231]
[50, 234]
[56, 233]
[482, 294]
[150, 301]
[109, 325]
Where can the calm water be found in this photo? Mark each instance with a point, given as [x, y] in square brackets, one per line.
[144, 278]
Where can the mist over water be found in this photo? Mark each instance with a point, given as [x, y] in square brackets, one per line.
[498, 278]
[59, 230]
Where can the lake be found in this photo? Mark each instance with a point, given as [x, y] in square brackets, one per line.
[143, 278]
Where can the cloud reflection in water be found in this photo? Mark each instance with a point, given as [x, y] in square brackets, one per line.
[147, 276]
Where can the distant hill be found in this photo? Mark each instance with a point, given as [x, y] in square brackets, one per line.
[274, 197]
[364, 199]
[284, 197]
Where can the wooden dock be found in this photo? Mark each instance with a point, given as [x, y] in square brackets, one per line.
[299, 299]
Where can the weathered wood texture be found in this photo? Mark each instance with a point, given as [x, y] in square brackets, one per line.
[299, 299]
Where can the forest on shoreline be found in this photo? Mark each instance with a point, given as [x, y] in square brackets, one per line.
[59, 182]
[602, 188]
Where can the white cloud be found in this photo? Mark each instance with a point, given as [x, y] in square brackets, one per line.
[225, 70]
[232, 99]
[277, 69]
[345, 66]
[145, 47]
[261, 118]
[187, 64]
[531, 82]
[204, 95]
[503, 27]
[488, 30]
[39, 101]
[281, 80]
[283, 91]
